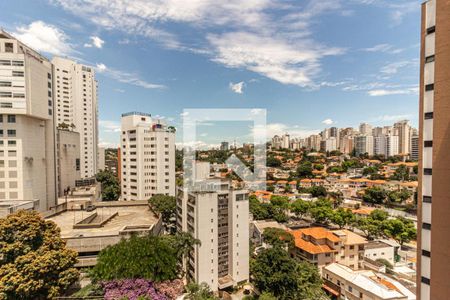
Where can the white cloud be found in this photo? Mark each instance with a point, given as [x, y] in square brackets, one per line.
[391, 118]
[126, 77]
[237, 87]
[280, 47]
[119, 90]
[385, 48]
[105, 144]
[272, 129]
[385, 92]
[328, 122]
[109, 126]
[275, 58]
[44, 37]
[393, 68]
[95, 42]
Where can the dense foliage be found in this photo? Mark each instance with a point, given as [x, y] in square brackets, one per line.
[110, 185]
[156, 258]
[275, 272]
[34, 260]
[166, 206]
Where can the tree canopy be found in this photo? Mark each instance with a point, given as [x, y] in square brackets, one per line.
[34, 260]
[275, 272]
[166, 206]
[110, 185]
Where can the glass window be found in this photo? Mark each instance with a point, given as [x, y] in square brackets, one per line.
[11, 118]
[9, 47]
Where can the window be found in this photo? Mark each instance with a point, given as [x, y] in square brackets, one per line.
[6, 94]
[17, 63]
[5, 83]
[6, 105]
[9, 47]
[429, 59]
[426, 226]
[5, 62]
[427, 199]
[428, 115]
[429, 87]
[17, 73]
[428, 171]
[428, 143]
[350, 289]
[425, 280]
[11, 118]
[426, 253]
[11, 143]
[431, 29]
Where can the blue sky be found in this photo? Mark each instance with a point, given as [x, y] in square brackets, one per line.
[311, 64]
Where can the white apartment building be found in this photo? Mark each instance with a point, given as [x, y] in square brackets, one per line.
[392, 145]
[363, 144]
[147, 157]
[76, 106]
[386, 145]
[330, 144]
[220, 220]
[101, 159]
[285, 141]
[403, 130]
[27, 133]
[378, 249]
[365, 128]
[68, 162]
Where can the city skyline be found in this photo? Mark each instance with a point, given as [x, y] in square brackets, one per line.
[328, 79]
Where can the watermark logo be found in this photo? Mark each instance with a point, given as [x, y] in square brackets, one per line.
[196, 174]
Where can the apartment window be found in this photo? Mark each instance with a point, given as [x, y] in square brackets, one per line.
[429, 87]
[426, 226]
[6, 105]
[12, 153]
[5, 62]
[17, 63]
[6, 94]
[11, 143]
[1, 118]
[428, 143]
[428, 171]
[427, 199]
[431, 29]
[9, 47]
[5, 83]
[428, 115]
[426, 253]
[12, 163]
[17, 73]
[350, 289]
[429, 59]
[11, 118]
[425, 280]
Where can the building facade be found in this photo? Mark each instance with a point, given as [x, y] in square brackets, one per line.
[147, 159]
[76, 108]
[27, 131]
[219, 219]
[68, 162]
[433, 268]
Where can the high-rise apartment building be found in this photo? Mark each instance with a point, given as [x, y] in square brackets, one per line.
[386, 145]
[415, 147]
[365, 129]
[403, 130]
[76, 106]
[27, 132]
[285, 141]
[147, 160]
[433, 267]
[219, 219]
[224, 146]
[363, 144]
[68, 159]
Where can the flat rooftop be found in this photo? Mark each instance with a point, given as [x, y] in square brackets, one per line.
[129, 214]
[376, 245]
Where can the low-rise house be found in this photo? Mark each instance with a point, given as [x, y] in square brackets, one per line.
[257, 230]
[378, 249]
[342, 282]
[321, 246]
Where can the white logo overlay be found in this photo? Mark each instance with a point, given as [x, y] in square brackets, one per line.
[194, 179]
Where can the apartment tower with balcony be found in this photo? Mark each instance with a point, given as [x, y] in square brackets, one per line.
[219, 219]
[27, 131]
[147, 158]
[433, 244]
[76, 108]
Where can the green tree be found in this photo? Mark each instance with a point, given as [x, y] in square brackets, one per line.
[401, 173]
[273, 162]
[389, 266]
[400, 229]
[375, 195]
[199, 292]
[157, 258]
[275, 272]
[342, 217]
[267, 296]
[278, 237]
[399, 196]
[110, 185]
[166, 206]
[34, 260]
[305, 169]
[321, 211]
[278, 208]
[318, 167]
[370, 170]
[318, 191]
[300, 207]
[372, 225]
[259, 210]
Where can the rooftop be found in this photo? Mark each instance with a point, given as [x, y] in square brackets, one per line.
[376, 245]
[136, 113]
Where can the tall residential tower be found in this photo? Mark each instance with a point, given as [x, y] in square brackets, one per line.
[433, 268]
[27, 132]
[76, 108]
